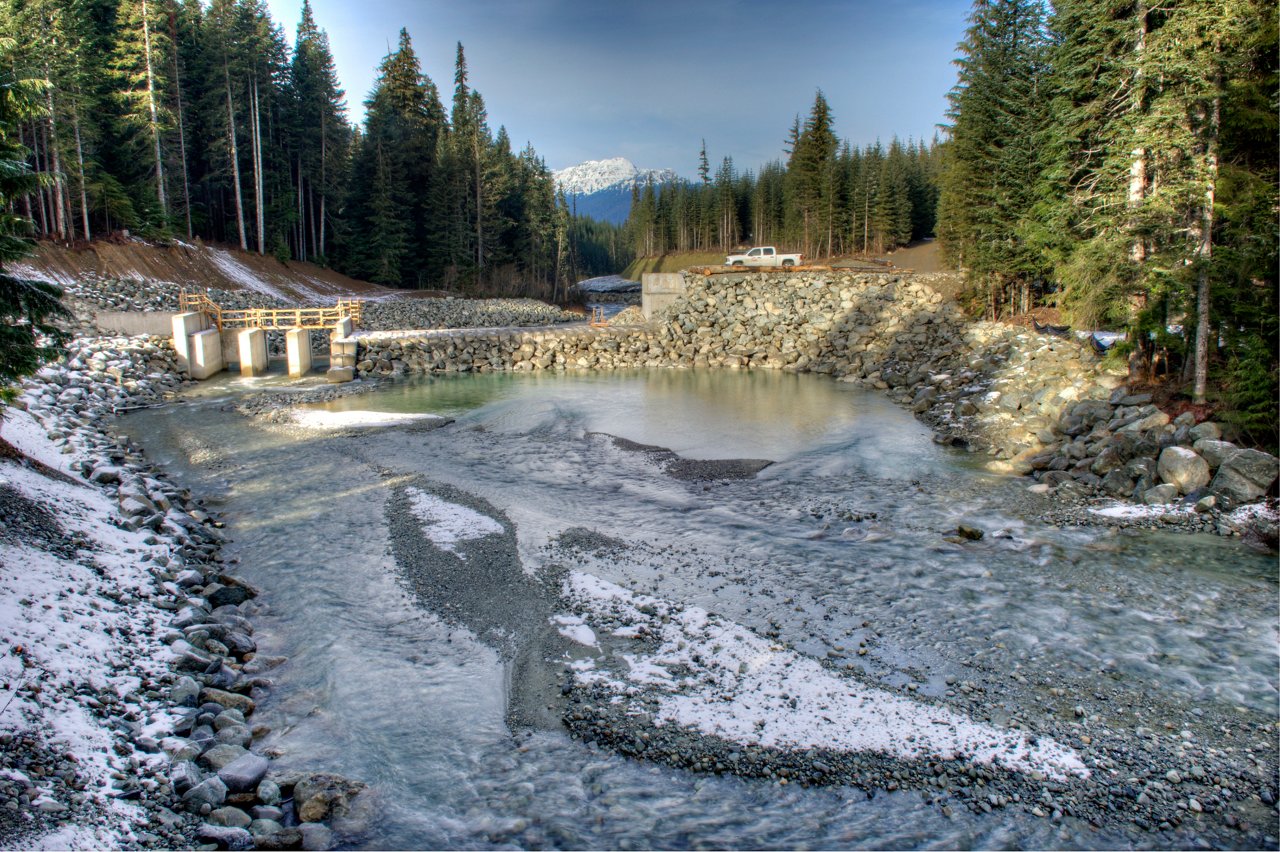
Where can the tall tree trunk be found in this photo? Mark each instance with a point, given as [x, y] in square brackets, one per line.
[84, 193]
[324, 178]
[59, 200]
[302, 214]
[235, 156]
[1138, 164]
[41, 165]
[155, 116]
[1204, 252]
[182, 133]
[256, 142]
[476, 151]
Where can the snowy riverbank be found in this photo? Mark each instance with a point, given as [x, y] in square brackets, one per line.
[126, 649]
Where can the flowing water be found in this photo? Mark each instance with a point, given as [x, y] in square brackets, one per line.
[840, 541]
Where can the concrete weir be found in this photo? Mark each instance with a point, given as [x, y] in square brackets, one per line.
[203, 351]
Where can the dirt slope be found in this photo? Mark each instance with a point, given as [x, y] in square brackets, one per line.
[195, 264]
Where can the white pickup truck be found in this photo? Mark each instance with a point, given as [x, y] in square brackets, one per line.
[762, 256]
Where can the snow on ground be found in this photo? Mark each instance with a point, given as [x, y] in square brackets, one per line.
[447, 524]
[1132, 511]
[243, 275]
[73, 624]
[23, 270]
[573, 628]
[721, 679]
[319, 418]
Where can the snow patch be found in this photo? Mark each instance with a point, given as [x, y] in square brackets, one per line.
[573, 628]
[243, 275]
[447, 524]
[736, 685]
[1129, 511]
[319, 418]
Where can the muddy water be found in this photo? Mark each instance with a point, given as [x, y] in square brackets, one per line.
[839, 542]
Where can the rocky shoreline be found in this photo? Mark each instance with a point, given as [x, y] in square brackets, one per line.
[184, 736]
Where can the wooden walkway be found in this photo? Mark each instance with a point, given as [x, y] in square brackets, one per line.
[321, 317]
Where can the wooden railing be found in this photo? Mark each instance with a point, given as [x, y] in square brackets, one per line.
[318, 317]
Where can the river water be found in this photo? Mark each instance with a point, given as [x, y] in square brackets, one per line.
[841, 541]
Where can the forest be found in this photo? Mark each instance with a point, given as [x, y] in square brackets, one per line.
[829, 198]
[1118, 160]
[181, 119]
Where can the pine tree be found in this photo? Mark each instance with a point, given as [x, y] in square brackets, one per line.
[990, 164]
[28, 334]
[140, 63]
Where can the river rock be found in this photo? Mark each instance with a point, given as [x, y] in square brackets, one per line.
[269, 792]
[318, 794]
[1246, 475]
[228, 816]
[184, 692]
[226, 837]
[243, 703]
[1213, 451]
[1144, 424]
[1207, 430]
[1183, 468]
[221, 756]
[211, 792]
[316, 837]
[245, 772]
[183, 775]
[1160, 495]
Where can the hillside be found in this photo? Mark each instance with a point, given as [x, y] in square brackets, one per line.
[195, 264]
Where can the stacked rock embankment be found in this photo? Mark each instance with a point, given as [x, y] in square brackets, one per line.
[211, 786]
[1035, 403]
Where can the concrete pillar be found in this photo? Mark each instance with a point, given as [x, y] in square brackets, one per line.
[342, 359]
[253, 352]
[659, 289]
[206, 353]
[185, 325]
[342, 328]
[297, 349]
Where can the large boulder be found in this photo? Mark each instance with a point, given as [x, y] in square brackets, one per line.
[1206, 430]
[1246, 475]
[1183, 468]
[1213, 451]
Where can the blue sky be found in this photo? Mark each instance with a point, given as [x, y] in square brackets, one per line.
[649, 79]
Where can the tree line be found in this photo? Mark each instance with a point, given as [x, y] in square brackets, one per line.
[177, 118]
[1118, 159]
[828, 198]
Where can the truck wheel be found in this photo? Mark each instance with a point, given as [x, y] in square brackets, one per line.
[736, 263]
[788, 263]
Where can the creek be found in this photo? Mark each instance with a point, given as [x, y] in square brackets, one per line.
[840, 542]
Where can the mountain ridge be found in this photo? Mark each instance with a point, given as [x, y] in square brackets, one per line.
[601, 189]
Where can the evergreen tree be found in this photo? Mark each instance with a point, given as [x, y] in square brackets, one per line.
[990, 164]
[28, 334]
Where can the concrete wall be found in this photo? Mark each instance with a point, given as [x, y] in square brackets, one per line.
[206, 354]
[156, 323]
[660, 289]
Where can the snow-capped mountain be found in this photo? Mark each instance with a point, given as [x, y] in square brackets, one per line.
[601, 189]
